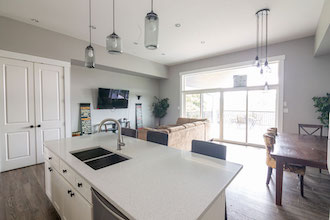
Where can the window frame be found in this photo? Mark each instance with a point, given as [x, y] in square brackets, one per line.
[278, 87]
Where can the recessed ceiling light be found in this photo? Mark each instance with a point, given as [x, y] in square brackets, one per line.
[177, 25]
[34, 20]
[202, 42]
[163, 54]
[135, 43]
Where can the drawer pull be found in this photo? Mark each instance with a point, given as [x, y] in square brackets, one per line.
[49, 158]
[79, 184]
[72, 194]
[69, 191]
[50, 169]
[64, 171]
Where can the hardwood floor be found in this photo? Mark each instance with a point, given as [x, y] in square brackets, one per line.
[22, 193]
[248, 196]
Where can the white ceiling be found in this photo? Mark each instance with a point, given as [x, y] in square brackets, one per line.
[224, 25]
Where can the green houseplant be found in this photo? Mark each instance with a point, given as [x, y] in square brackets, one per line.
[160, 107]
[322, 105]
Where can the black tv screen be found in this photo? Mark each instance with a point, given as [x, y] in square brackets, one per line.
[112, 98]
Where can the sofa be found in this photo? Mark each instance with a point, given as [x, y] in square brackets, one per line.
[182, 133]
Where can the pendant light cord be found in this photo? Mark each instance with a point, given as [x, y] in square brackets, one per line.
[267, 36]
[90, 23]
[113, 15]
[261, 36]
[152, 5]
[257, 43]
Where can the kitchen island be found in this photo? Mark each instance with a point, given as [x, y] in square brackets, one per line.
[156, 182]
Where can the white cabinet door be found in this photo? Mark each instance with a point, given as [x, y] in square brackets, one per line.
[56, 190]
[48, 180]
[68, 210]
[81, 208]
[17, 136]
[49, 99]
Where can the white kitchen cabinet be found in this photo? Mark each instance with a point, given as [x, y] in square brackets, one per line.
[70, 194]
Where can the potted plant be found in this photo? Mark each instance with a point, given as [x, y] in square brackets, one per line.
[322, 105]
[160, 107]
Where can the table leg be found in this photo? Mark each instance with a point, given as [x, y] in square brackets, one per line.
[279, 181]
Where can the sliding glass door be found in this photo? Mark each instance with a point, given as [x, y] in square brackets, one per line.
[234, 116]
[211, 111]
[261, 114]
[244, 116]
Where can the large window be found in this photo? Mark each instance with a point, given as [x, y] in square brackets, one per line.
[236, 114]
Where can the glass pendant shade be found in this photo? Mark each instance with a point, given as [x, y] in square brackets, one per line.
[89, 57]
[151, 31]
[266, 86]
[114, 44]
[267, 67]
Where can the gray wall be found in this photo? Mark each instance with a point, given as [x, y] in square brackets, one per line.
[29, 39]
[84, 85]
[305, 76]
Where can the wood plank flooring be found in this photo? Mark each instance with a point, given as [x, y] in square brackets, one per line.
[22, 194]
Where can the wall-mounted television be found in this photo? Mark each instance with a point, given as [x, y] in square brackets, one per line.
[112, 98]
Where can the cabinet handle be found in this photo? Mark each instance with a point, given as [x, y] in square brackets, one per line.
[38, 126]
[64, 171]
[72, 194]
[79, 184]
[31, 126]
[69, 191]
[50, 169]
[49, 158]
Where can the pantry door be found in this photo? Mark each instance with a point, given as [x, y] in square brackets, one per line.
[49, 103]
[17, 119]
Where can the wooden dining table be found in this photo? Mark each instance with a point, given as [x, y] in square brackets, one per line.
[305, 150]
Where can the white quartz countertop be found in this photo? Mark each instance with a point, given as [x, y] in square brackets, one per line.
[158, 182]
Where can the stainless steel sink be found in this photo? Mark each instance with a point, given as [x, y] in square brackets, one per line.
[98, 157]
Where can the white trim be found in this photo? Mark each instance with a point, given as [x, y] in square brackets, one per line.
[34, 59]
[229, 66]
[67, 101]
[281, 95]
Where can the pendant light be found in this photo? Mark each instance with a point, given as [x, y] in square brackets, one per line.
[151, 27]
[261, 43]
[89, 51]
[113, 41]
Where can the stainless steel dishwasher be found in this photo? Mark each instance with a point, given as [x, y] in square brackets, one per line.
[102, 209]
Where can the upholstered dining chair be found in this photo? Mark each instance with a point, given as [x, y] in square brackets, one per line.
[210, 149]
[269, 139]
[157, 137]
[129, 132]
